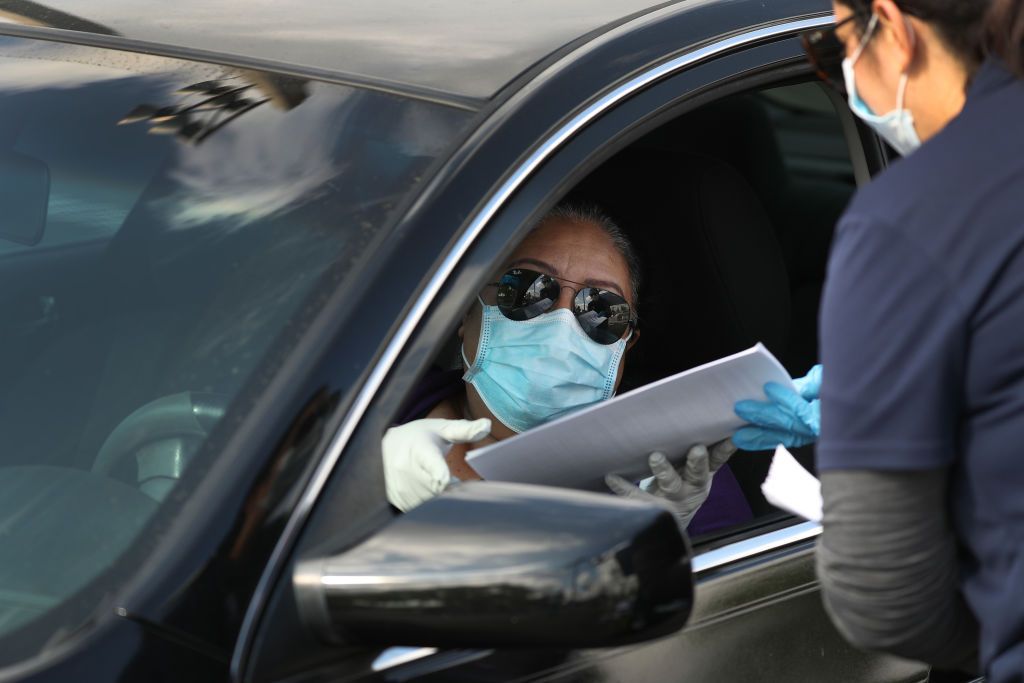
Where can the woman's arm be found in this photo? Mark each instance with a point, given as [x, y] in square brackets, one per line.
[888, 567]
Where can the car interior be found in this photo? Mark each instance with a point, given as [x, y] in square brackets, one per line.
[179, 294]
[731, 207]
[131, 326]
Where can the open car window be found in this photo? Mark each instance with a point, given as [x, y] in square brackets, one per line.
[731, 207]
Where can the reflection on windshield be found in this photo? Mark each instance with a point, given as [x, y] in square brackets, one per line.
[248, 173]
[30, 13]
[217, 103]
[175, 272]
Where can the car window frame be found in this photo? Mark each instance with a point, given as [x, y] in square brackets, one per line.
[525, 194]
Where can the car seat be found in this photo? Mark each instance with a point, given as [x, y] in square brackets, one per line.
[803, 210]
[715, 281]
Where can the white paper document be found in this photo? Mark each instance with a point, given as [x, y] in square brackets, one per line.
[790, 487]
[670, 416]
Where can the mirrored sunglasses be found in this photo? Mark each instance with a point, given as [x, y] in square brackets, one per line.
[605, 316]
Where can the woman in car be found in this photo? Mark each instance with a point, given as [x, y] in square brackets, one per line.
[547, 337]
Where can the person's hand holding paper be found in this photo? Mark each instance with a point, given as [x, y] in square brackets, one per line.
[683, 490]
[789, 417]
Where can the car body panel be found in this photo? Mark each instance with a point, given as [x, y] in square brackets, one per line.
[465, 48]
[772, 629]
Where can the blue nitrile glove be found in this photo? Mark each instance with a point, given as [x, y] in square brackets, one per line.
[791, 418]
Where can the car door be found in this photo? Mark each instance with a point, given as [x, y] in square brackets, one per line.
[758, 613]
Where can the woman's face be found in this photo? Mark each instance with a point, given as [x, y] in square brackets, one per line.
[903, 46]
[881, 64]
[563, 249]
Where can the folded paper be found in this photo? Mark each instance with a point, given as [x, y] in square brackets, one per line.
[792, 488]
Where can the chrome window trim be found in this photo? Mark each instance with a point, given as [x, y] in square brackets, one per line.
[436, 282]
[397, 656]
[752, 547]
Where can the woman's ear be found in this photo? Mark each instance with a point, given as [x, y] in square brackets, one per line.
[900, 32]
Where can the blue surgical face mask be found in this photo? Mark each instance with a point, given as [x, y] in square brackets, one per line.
[529, 372]
[896, 127]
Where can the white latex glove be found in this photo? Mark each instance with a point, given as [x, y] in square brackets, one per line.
[414, 466]
[683, 490]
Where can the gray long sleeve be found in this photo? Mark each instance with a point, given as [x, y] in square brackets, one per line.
[888, 567]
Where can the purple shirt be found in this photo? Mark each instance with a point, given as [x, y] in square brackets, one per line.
[726, 505]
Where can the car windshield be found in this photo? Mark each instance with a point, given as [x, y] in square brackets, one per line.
[162, 223]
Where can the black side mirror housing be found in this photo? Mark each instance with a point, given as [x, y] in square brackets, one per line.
[24, 198]
[505, 565]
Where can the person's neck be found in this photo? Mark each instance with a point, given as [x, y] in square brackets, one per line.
[499, 431]
[942, 93]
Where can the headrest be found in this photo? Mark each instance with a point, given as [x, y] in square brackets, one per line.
[24, 198]
[736, 130]
[716, 281]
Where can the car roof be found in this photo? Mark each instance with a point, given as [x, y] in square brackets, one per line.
[465, 48]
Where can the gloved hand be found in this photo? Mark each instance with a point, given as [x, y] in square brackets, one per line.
[414, 466]
[791, 418]
[683, 491]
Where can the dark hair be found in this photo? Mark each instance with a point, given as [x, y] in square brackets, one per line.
[960, 23]
[578, 212]
[1004, 33]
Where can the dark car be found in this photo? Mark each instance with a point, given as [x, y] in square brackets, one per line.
[235, 235]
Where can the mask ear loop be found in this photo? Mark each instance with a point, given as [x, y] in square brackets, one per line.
[901, 92]
[868, 33]
[473, 369]
[912, 37]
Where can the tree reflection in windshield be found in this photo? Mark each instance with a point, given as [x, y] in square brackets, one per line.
[211, 105]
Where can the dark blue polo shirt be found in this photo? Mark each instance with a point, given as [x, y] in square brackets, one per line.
[922, 332]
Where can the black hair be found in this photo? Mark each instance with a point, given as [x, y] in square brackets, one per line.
[1004, 33]
[960, 23]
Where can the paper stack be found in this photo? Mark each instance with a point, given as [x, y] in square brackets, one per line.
[616, 436]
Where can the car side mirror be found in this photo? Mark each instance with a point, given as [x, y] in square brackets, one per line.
[504, 565]
[24, 198]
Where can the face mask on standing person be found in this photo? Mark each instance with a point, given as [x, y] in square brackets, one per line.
[895, 127]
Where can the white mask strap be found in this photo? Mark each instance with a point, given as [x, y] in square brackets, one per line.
[868, 32]
[901, 92]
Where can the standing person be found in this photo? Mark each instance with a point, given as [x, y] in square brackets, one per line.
[921, 453]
